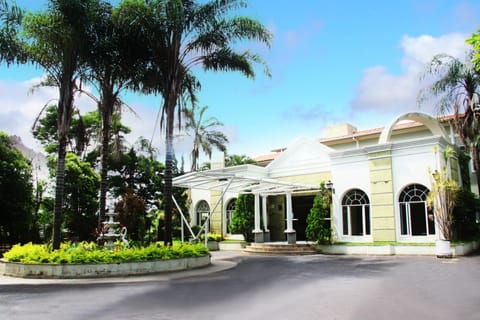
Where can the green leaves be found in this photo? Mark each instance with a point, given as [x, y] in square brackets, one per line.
[318, 224]
[243, 216]
[90, 253]
[16, 193]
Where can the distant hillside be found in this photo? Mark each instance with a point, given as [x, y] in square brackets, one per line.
[38, 159]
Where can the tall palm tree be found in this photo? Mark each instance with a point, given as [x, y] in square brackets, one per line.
[10, 45]
[204, 134]
[179, 35]
[110, 74]
[54, 45]
[458, 87]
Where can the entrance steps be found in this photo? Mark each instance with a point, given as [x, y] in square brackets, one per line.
[281, 248]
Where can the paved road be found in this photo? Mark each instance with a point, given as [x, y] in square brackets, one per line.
[313, 287]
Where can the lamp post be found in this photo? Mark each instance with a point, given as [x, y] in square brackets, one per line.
[329, 186]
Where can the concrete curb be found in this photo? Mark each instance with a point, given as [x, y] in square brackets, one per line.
[74, 271]
[216, 265]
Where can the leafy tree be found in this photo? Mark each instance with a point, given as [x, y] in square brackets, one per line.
[16, 199]
[82, 184]
[138, 172]
[54, 44]
[175, 36]
[318, 225]
[474, 40]
[243, 216]
[204, 135]
[458, 87]
[132, 215]
[11, 47]
[81, 135]
[465, 226]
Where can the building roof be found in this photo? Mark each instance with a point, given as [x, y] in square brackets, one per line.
[358, 135]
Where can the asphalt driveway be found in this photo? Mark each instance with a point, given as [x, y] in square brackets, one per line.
[298, 287]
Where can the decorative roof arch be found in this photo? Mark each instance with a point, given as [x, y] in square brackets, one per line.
[431, 123]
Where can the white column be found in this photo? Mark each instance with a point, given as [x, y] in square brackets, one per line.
[289, 214]
[264, 213]
[257, 214]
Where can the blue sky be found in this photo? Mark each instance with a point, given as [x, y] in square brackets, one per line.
[331, 62]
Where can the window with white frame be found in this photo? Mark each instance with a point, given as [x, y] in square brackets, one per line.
[202, 212]
[415, 217]
[356, 213]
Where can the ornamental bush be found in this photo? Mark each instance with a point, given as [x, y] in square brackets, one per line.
[90, 253]
[318, 223]
[243, 216]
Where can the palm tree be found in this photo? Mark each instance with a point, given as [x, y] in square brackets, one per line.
[110, 74]
[204, 135]
[177, 36]
[458, 87]
[236, 160]
[11, 49]
[54, 45]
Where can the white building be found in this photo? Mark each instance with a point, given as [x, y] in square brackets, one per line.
[380, 177]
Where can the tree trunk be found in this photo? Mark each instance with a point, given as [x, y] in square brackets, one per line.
[167, 194]
[104, 169]
[106, 110]
[59, 192]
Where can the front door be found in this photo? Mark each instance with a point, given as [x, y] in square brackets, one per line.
[301, 207]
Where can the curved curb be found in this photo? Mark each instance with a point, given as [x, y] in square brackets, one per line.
[213, 267]
[79, 271]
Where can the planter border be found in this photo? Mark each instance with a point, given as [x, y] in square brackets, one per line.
[101, 270]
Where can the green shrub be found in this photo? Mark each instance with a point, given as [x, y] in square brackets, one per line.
[212, 237]
[243, 216]
[465, 227]
[318, 225]
[89, 253]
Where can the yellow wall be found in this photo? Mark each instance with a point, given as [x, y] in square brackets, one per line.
[309, 178]
[216, 217]
[382, 197]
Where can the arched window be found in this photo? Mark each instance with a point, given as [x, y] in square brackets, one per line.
[415, 218]
[229, 213]
[356, 213]
[203, 210]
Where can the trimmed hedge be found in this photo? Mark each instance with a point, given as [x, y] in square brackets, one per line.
[90, 253]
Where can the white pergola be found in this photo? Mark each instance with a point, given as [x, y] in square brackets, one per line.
[245, 179]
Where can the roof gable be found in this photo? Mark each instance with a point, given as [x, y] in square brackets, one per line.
[304, 153]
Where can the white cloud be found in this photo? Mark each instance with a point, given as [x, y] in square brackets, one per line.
[20, 107]
[383, 92]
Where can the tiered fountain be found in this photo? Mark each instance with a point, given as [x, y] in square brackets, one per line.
[110, 229]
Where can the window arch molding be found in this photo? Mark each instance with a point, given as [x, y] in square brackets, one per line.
[356, 213]
[229, 209]
[202, 210]
[415, 218]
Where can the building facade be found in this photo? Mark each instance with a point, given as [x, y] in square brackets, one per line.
[379, 181]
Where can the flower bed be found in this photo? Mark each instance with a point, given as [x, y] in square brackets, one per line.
[87, 260]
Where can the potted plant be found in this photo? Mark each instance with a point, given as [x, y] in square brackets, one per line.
[442, 199]
[213, 240]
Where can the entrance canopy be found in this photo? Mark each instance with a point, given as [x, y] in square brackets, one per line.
[240, 179]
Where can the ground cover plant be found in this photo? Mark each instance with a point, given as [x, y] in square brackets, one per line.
[90, 253]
